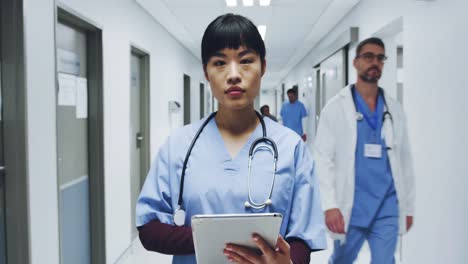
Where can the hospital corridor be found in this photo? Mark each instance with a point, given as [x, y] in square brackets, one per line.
[101, 99]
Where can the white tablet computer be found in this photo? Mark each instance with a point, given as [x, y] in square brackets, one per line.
[211, 233]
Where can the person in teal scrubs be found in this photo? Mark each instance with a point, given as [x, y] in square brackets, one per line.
[293, 113]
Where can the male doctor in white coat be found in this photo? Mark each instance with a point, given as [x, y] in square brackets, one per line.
[364, 164]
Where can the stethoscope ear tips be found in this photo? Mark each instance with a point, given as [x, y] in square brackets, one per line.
[268, 202]
[247, 204]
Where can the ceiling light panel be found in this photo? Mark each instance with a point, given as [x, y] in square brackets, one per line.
[231, 2]
[248, 2]
[265, 2]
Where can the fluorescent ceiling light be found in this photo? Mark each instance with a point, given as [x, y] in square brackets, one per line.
[248, 2]
[231, 2]
[262, 30]
[265, 2]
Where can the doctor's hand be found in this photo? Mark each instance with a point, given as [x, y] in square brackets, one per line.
[334, 220]
[409, 222]
[279, 255]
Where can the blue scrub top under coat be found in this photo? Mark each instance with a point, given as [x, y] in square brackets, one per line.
[375, 194]
[216, 183]
[292, 114]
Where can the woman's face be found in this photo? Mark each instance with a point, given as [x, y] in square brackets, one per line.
[234, 76]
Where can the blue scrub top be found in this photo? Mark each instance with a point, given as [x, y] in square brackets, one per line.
[292, 115]
[374, 195]
[216, 183]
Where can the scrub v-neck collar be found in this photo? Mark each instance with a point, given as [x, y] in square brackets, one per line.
[222, 146]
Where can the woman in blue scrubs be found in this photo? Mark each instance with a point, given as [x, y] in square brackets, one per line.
[233, 56]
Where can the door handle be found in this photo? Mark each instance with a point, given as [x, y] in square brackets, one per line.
[139, 140]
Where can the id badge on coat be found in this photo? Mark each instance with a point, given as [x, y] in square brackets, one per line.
[373, 151]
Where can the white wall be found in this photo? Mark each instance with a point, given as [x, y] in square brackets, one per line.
[435, 100]
[435, 37]
[124, 23]
[268, 97]
[41, 137]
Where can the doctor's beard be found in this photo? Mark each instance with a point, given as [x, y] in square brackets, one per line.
[368, 78]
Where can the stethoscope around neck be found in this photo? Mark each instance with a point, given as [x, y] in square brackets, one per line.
[269, 144]
[386, 115]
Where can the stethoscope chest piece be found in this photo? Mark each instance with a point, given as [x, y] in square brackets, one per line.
[249, 204]
[179, 217]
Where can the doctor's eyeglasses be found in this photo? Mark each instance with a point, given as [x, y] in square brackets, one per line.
[369, 57]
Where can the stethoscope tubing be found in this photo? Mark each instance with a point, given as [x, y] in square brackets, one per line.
[187, 156]
[386, 113]
[270, 145]
[274, 152]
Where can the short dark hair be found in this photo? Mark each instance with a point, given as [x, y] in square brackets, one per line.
[292, 90]
[263, 108]
[231, 31]
[373, 40]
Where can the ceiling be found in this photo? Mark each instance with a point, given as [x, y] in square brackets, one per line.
[294, 27]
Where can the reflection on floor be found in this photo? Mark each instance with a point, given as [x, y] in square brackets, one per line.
[138, 255]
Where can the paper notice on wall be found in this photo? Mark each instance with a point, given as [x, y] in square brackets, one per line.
[81, 97]
[66, 89]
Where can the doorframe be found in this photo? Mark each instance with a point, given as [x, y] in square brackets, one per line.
[95, 129]
[283, 92]
[145, 109]
[145, 120]
[187, 91]
[15, 133]
[202, 100]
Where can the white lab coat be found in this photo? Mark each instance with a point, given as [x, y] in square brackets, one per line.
[334, 153]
